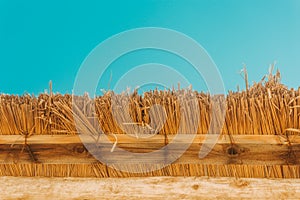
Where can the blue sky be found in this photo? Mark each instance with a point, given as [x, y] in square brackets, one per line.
[48, 40]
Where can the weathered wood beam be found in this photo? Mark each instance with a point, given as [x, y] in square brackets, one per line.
[59, 155]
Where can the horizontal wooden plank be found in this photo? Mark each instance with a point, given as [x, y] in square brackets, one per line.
[267, 153]
[125, 138]
[158, 188]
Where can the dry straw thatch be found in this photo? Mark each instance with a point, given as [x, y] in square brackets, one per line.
[267, 107]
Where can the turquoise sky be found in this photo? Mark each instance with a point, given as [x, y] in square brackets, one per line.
[48, 40]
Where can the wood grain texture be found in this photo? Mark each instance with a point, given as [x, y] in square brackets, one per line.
[249, 156]
[148, 188]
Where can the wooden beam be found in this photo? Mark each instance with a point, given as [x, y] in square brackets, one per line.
[148, 188]
[249, 156]
[125, 138]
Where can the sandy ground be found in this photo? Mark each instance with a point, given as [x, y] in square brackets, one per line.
[148, 188]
